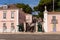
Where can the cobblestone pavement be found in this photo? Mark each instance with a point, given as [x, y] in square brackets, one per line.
[29, 36]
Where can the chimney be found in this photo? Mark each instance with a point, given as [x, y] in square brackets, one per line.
[22, 9]
[5, 6]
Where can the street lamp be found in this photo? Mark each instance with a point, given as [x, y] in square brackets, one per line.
[53, 5]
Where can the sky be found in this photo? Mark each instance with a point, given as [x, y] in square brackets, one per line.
[32, 3]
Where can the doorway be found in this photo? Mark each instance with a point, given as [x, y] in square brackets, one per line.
[21, 28]
[54, 27]
[39, 27]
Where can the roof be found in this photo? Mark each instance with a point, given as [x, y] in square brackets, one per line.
[53, 12]
[11, 6]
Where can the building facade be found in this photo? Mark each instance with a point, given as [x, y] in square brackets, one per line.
[9, 20]
[51, 21]
[11, 17]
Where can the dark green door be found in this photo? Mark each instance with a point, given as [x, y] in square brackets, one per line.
[39, 27]
[20, 28]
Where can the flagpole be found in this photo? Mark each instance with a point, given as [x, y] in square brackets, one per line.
[53, 5]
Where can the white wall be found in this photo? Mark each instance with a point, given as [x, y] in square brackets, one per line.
[45, 21]
[28, 18]
[17, 20]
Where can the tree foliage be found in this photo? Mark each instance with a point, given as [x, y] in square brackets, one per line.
[26, 8]
[49, 4]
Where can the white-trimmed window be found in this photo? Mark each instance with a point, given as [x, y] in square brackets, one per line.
[54, 20]
[12, 14]
[4, 15]
[12, 26]
[4, 26]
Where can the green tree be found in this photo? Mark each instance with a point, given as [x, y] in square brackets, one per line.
[49, 4]
[26, 7]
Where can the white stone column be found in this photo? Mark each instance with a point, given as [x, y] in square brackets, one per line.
[45, 26]
[16, 29]
[24, 26]
[17, 20]
[1, 30]
[36, 27]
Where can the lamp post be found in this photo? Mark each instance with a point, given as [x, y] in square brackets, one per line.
[53, 5]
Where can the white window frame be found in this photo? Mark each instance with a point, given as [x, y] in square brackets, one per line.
[12, 26]
[4, 27]
[12, 14]
[4, 14]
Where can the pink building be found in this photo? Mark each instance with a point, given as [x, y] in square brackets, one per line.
[8, 19]
[51, 21]
[24, 17]
[11, 17]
